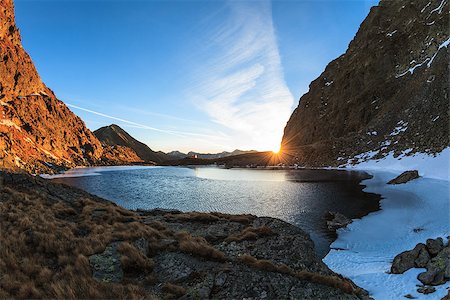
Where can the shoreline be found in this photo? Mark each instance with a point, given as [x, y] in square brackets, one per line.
[106, 248]
[399, 228]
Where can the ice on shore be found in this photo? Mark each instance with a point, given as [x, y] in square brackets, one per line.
[410, 213]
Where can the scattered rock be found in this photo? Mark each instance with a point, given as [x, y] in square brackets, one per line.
[405, 177]
[426, 290]
[106, 265]
[336, 220]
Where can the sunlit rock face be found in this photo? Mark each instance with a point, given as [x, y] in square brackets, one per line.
[37, 131]
[388, 92]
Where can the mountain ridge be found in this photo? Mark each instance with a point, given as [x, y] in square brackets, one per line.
[114, 135]
[387, 93]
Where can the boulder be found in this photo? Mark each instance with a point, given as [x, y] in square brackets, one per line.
[434, 246]
[438, 269]
[407, 259]
[422, 259]
[405, 177]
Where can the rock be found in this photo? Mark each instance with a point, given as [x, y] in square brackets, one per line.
[142, 245]
[434, 246]
[438, 269]
[106, 265]
[337, 220]
[366, 103]
[422, 258]
[405, 177]
[406, 260]
[409, 296]
[114, 136]
[426, 290]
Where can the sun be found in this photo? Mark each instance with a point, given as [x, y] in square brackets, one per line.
[276, 150]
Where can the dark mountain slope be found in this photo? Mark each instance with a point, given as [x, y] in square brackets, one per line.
[113, 135]
[388, 92]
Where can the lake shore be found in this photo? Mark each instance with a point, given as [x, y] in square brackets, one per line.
[410, 214]
[88, 247]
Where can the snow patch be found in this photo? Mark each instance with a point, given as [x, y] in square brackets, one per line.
[391, 33]
[434, 119]
[402, 127]
[410, 214]
[329, 83]
[444, 44]
[428, 60]
[438, 9]
[425, 7]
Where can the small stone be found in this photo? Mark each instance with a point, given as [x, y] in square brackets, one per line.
[409, 296]
[426, 290]
[405, 177]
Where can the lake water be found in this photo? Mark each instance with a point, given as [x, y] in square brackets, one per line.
[300, 197]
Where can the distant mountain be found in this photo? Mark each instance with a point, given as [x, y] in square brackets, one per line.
[180, 155]
[387, 93]
[113, 135]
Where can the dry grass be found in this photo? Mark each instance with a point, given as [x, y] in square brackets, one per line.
[133, 261]
[46, 242]
[332, 281]
[173, 291]
[209, 217]
[198, 246]
[251, 233]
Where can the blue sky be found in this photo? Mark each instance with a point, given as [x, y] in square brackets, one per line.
[187, 75]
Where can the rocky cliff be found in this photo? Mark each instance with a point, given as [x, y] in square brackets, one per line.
[387, 93]
[113, 135]
[37, 131]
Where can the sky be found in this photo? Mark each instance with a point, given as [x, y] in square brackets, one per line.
[206, 76]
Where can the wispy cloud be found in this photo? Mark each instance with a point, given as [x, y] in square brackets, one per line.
[141, 126]
[241, 85]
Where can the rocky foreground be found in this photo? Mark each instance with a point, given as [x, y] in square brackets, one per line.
[61, 242]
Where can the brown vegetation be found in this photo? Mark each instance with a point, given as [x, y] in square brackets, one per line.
[49, 233]
[173, 291]
[251, 233]
[332, 281]
[198, 246]
[132, 260]
[210, 217]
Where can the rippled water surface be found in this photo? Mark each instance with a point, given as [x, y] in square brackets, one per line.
[301, 197]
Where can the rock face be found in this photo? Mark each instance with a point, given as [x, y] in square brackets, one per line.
[37, 130]
[336, 220]
[388, 92]
[434, 256]
[113, 135]
[38, 133]
[405, 177]
[63, 243]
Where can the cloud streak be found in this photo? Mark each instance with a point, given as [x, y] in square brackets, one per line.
[241, 85]
[142, 126]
